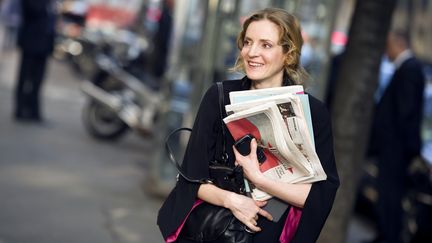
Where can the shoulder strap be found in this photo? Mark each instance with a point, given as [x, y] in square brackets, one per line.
[176, 163]
[224, 153]
[221, 113]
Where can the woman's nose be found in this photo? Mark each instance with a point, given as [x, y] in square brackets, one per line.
[253, 51]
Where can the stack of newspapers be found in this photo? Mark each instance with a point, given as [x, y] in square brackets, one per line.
[280, 120]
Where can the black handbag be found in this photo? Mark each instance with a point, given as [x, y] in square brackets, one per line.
[210, 223]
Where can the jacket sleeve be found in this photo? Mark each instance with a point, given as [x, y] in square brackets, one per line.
[321, 196]
[409, 88]
[200, 150]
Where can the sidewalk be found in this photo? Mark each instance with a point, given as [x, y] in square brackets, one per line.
[60, 185]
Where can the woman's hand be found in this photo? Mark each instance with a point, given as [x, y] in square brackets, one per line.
[250, 163]
[247, 210]
[294, 194]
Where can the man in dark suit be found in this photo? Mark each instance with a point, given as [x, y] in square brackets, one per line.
[36, 41]
[395, 135]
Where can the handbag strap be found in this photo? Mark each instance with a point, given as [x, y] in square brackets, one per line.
[221, 109]
[173, 159]
[224, 153]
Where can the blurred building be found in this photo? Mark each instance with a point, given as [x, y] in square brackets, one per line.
[212, 27]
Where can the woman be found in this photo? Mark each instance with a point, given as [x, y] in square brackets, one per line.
[270, 44]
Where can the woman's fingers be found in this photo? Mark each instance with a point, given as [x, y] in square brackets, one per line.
[252, 226]
[260, 203]
[242, 160]
[254, 146]
[250, 223]
[265, 214]
[246, 210]
[237, 155]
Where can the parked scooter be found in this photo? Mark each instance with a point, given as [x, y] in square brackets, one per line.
[118, 99]
[73, 43]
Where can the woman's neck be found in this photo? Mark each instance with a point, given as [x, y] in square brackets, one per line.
[263, 84]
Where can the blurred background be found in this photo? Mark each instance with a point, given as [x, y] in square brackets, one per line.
[122, 75]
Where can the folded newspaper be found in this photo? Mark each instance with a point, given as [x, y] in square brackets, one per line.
[280, 120]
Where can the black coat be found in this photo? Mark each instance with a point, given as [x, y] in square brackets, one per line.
[37, 31]
[206, 143]
[395, 133]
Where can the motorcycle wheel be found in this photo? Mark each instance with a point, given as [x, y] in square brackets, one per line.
[102, 123]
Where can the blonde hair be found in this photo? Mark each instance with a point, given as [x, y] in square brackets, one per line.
[290, 39]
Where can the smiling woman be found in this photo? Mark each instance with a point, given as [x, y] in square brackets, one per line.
[263, 59]
[270, 44]
[275, 36]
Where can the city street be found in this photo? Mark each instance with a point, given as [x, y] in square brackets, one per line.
[152, 62]
[57, 184]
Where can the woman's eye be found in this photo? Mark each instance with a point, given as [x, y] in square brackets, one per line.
[247, 43]
[267, 45]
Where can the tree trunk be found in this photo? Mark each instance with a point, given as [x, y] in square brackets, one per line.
[352, 105]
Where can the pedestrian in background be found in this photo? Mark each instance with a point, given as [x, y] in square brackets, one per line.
[395, 135]
[36, 41]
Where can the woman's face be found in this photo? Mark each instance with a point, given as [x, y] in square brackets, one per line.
[262, 56]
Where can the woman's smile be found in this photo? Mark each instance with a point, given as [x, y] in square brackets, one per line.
[263, 57]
